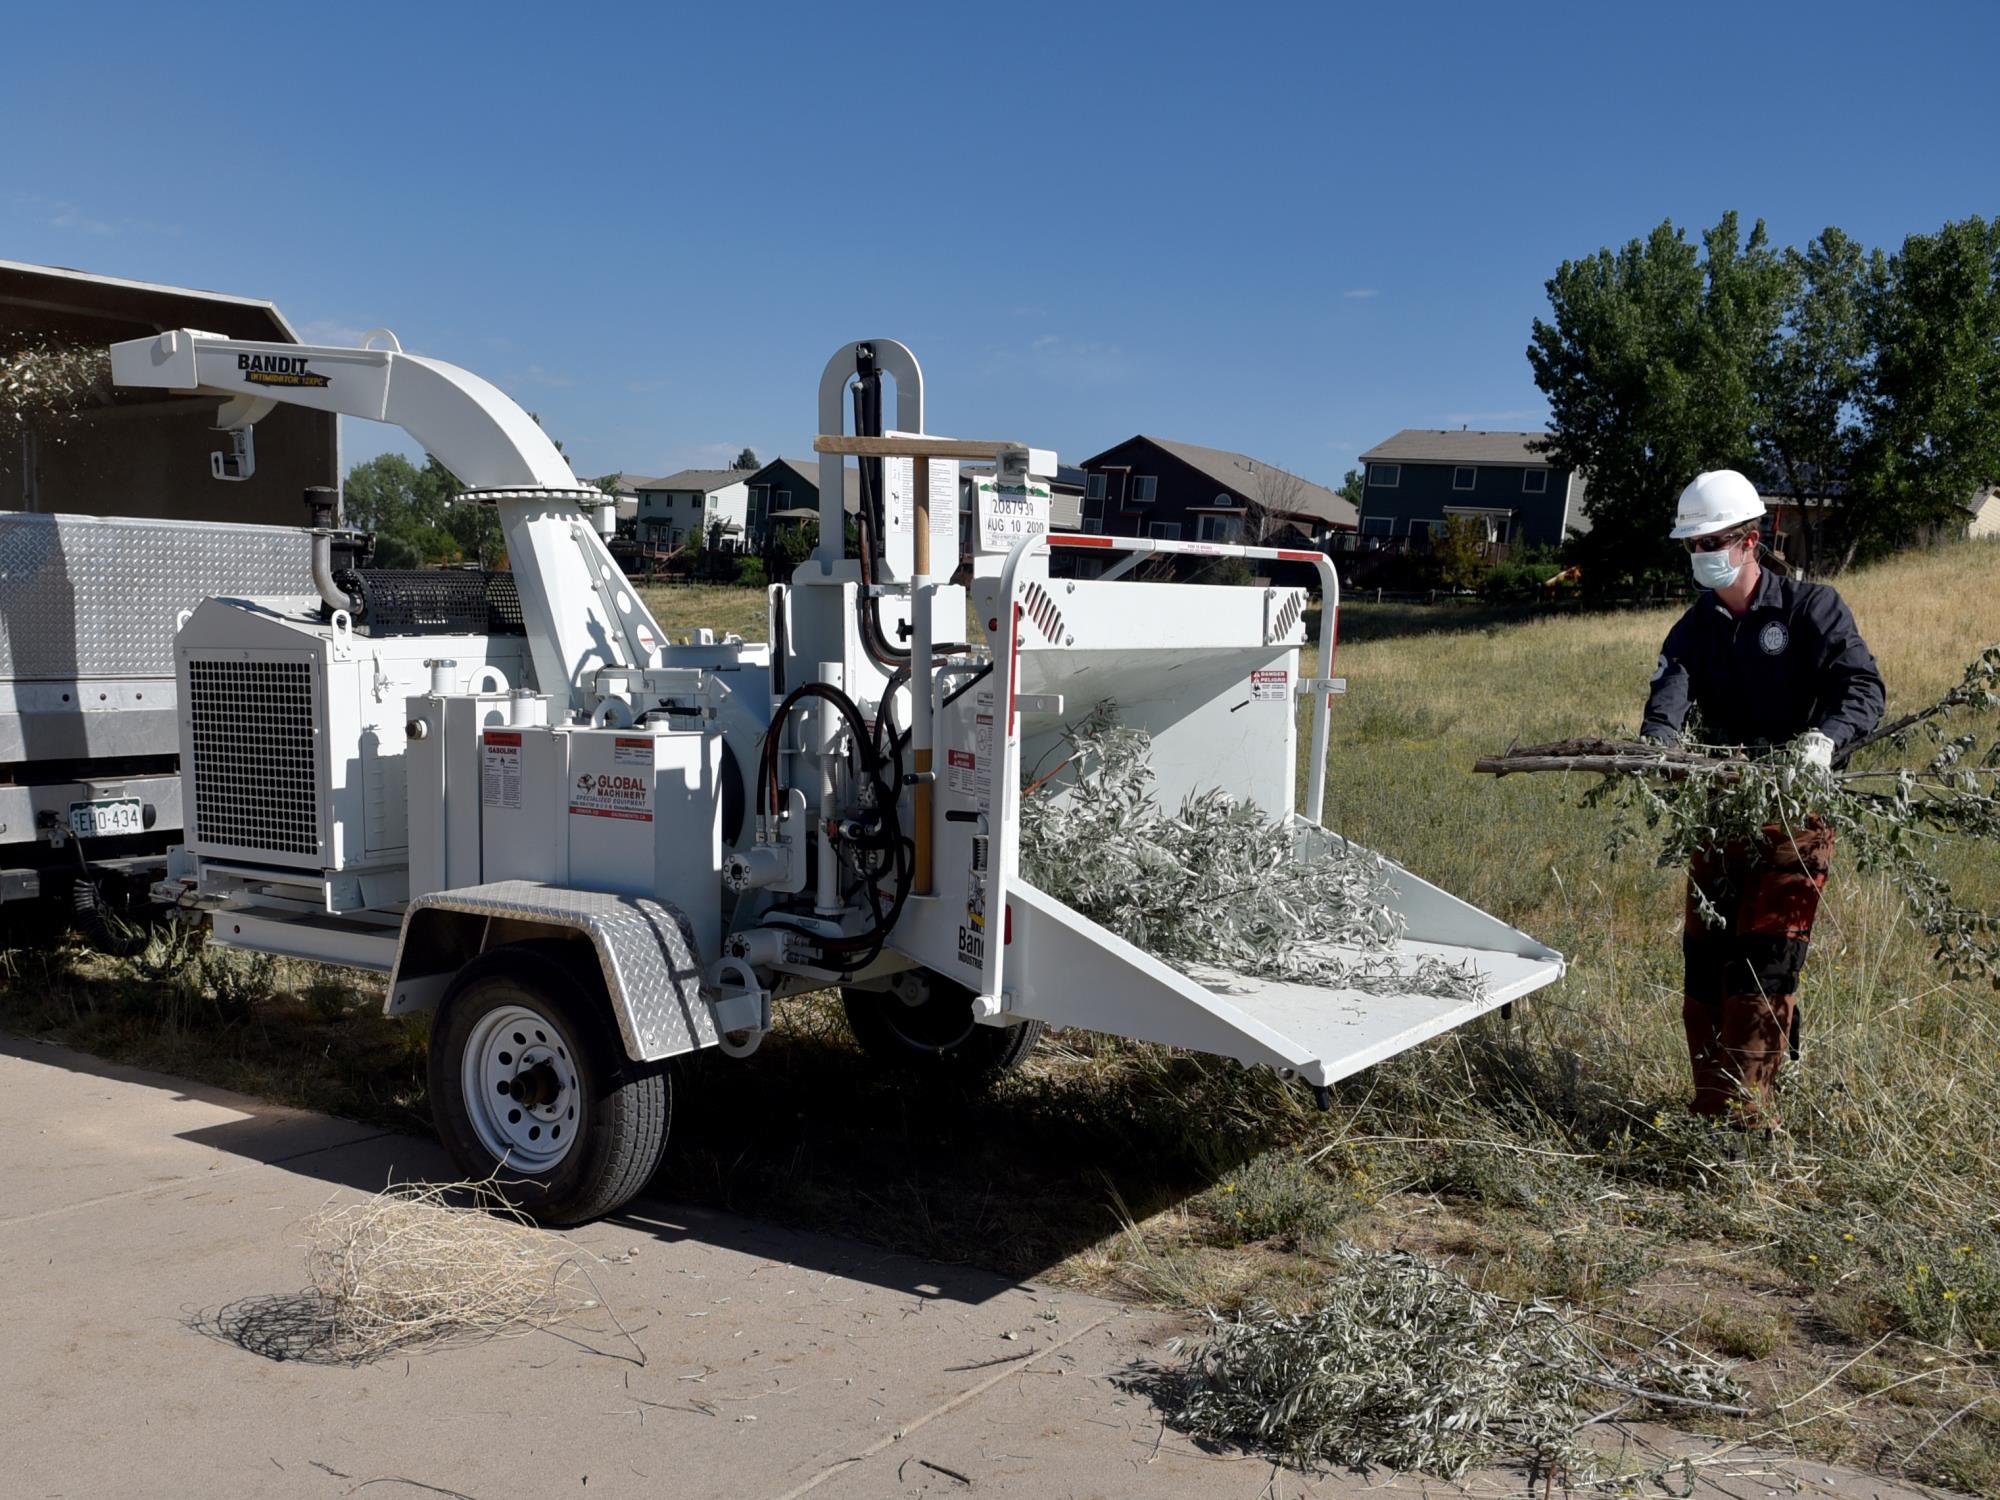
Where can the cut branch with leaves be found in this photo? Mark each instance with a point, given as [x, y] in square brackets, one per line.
[1893, 819]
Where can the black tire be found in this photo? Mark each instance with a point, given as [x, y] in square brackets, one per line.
[617, 1112]
[930, 1032]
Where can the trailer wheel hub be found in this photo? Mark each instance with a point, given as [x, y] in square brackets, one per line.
[521, 1088]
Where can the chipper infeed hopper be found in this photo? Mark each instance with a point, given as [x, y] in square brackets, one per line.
[1212, 674]
[589, 849]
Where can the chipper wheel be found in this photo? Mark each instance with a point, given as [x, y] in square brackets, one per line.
[529, 1087]
[922, 1024]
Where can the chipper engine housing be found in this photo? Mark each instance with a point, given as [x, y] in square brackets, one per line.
[590, 849]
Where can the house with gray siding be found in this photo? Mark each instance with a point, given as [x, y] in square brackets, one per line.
[716, 501]
[1420, 478]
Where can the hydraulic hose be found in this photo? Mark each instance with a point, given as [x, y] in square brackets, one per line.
[873, 520]
[859, 950]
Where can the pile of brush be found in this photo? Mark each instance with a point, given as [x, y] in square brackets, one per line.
[1215, 883]
[423, 1265]
[1406, 1367]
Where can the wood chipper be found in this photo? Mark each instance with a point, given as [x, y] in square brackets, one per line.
[588, 849]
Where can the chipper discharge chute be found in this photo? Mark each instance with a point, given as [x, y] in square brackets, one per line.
[587, 849]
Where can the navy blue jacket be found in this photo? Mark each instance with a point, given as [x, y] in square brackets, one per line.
[1793, 662]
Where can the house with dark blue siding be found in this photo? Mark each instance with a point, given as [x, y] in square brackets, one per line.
[1419, 479]
[1156, 487]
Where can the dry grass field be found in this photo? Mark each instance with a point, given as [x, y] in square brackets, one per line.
[1851, 1264]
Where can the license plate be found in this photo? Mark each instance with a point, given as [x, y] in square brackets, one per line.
[109, 815]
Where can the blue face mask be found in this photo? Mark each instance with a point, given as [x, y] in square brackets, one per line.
[1714, 570]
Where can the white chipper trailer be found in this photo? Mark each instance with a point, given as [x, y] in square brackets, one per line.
[587, 849]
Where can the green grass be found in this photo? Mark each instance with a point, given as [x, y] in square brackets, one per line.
[723, 608]
[1851, 1263]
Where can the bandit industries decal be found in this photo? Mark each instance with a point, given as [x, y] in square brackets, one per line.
[289, 370]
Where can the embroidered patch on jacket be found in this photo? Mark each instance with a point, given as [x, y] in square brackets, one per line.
[1774, 637]
[1660, 670]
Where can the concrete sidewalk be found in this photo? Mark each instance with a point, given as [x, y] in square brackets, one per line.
[142, 1219]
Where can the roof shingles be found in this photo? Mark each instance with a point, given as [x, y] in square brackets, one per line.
[1423, 445]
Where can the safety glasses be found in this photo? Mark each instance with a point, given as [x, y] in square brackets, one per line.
[1720, 542]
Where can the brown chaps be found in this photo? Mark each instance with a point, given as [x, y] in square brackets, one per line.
[1743, 972]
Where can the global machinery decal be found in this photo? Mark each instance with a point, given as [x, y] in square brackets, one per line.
[293, 371]
[616, 793]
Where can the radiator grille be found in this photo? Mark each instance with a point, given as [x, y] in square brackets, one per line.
[254, 782]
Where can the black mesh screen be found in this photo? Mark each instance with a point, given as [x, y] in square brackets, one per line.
[453, 601]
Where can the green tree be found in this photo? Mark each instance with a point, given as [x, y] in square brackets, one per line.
[1651, 362]
[747, 459]
[1930, 404]
[406, 507]
[1807, 425]
[1460, 553]
[417, 515]
[793, 542]
[1351, 488]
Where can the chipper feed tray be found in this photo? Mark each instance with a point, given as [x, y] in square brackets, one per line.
[1212, 675]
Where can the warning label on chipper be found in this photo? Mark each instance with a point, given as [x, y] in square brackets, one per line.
[1273, 686]
[612, 794]
[961, 767]
[500, 771]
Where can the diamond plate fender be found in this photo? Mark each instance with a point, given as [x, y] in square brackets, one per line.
[651, 968]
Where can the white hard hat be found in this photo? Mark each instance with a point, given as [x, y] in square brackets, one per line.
[1716, 501]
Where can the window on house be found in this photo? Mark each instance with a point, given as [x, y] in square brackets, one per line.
[1145, 489]
[1385, 476]
[1463, 476]
[1093, 523]
[1165, 531]
[1378, 525]
[784, 499]
[1534, 481]
[1221, 528]
[1094, 490]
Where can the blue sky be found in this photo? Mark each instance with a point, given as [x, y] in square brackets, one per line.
[1285, 229]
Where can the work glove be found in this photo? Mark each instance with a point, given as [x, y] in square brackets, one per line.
[1814, 749]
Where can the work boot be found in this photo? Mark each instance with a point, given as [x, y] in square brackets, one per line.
[1713, 1087]
[1753, 1037]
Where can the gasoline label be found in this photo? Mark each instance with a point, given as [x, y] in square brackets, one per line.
[500, 771]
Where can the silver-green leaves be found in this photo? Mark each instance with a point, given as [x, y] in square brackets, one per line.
[1214, 882]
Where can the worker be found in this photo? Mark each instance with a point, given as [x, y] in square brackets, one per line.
[1774, 665]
